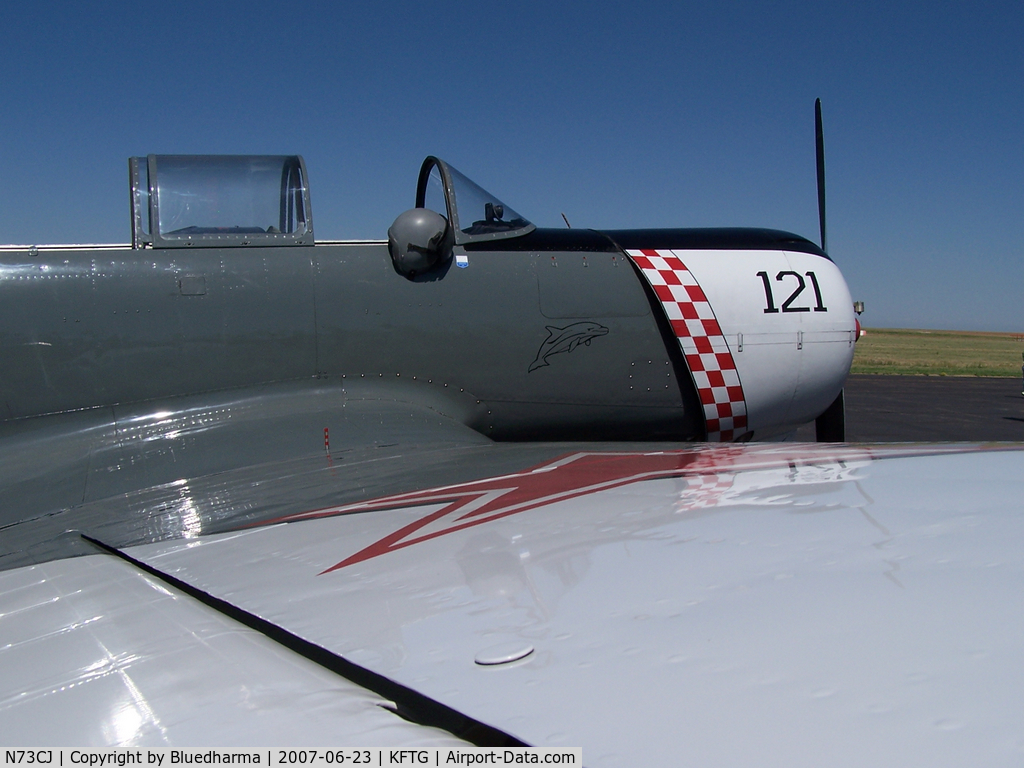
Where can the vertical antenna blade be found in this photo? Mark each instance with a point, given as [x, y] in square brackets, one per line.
[819, 146]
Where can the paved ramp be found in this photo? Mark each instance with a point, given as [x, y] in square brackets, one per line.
[914, 408]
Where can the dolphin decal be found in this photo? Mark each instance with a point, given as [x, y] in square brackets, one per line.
[566, 340]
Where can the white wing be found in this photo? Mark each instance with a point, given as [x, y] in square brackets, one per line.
[801, 605]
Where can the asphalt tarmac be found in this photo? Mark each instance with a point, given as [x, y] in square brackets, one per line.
[931, 408]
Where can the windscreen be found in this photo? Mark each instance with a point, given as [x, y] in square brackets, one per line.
[480, 212]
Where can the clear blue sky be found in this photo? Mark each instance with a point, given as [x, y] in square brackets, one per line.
[638, 114]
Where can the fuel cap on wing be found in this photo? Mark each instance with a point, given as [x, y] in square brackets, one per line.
[504, 653]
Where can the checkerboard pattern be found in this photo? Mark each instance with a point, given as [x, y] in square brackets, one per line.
[704, 491]
[704, 347]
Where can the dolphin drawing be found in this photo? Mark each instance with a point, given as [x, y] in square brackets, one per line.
[566, 340]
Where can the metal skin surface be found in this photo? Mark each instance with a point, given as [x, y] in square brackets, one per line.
[85, 329]
[723, 605]
[792, 364]
[96, 654]
[728, 605]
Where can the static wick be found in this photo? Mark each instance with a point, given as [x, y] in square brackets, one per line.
[327, 448]
[566, 221]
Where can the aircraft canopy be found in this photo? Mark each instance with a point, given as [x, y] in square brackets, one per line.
[475, 214]
[219, 201]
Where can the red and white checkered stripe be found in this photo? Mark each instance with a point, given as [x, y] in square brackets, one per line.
[700, 337]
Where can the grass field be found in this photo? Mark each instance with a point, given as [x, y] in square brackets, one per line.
[938, 353]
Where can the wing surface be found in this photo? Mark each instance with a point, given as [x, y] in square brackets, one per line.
[97, 654]
[728, 605]
[193, 466]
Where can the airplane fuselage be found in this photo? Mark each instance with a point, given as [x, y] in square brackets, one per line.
[89, 327]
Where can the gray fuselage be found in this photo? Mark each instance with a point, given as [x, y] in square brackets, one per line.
[92, 327]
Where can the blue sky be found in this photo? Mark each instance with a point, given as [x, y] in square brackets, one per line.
[639, 114]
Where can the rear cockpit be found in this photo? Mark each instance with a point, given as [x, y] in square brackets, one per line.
[181, 201]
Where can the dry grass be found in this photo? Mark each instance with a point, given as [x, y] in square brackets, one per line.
[938, 353]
